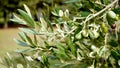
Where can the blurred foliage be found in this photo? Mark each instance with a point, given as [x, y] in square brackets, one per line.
[68, 34]
[9, 6]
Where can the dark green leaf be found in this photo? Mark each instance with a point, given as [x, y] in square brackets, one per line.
[47, 44]
[104, 2]
[115, 54]
[84, 13]
[18, 20]
[27, 18]
[55, 12]
[60, 47]
[117, 10]
[45, 61]
[35, 40]
[72, 46]
[61, 51]
[29, 40]
[113, 42]
[78, 29]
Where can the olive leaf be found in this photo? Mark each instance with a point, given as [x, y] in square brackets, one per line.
[18, 20]
[21, 43]
[27, 10]
[29, 20]
[72, 46]
[22, 36]
[29, 31]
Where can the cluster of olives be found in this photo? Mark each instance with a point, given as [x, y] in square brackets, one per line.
[93, 34]
[112, 17]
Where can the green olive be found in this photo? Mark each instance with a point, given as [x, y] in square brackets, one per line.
[84, 33]
[111, 15]
[96, 34]
[104, 28]
[78, 36]
[117, 17]
[93, 34]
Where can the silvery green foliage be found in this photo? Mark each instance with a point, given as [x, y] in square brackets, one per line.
[68, 40]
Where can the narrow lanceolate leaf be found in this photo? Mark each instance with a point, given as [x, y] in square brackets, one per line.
[71, 46]
[55, 12]
[24, 50]
[35, 39]
[21, 43]
[48, 23]
[18, 20]
[43, 24]
[28, 30]
[60, 47]
[27, 10]
[61, 51]
[22, 36]
[29, 40]
[115, 54]
[27, 18]
[101, 51]
[72, 1]
[45, 61]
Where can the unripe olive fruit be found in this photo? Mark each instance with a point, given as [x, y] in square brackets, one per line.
[117, 18]
[96, 34]
[93, 34]
[104, 28]
[78, 36]
[111, 15]
[84, 33]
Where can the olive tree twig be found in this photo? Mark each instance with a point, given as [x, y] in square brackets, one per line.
[91, 17]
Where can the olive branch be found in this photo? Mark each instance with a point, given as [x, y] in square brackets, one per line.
[89, 17]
